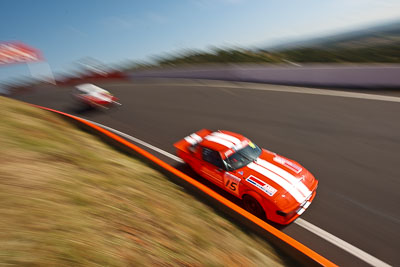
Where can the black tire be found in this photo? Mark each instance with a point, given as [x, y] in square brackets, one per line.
[251, 205]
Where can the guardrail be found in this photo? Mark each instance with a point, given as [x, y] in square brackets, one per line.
[314, 75]
[280, 240]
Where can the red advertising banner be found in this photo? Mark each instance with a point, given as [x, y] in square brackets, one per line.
[11, 53]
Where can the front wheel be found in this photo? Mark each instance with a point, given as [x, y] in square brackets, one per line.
[251, 205]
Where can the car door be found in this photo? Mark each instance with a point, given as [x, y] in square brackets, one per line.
[232, 183]
[212, 168]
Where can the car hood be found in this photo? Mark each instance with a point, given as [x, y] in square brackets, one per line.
[278, 177]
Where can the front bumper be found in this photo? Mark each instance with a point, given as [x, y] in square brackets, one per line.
[286, 218]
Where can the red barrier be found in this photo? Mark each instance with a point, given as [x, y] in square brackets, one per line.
[91, 77]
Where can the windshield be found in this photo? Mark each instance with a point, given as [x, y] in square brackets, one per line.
[243, 157]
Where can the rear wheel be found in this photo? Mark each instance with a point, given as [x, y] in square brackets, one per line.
[251, 205]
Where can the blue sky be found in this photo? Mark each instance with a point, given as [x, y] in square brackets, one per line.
[114, 31]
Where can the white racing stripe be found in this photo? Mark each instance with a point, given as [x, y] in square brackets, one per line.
[303, 209]
[190, 140]
[294, 167]
[285, 175]
[196, 137]
[279, 180]
[193, 139]
[230, 138]
[362, 255]
[220, 141]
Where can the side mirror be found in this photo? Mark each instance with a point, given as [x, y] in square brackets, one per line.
[192, 149]
[228, 167]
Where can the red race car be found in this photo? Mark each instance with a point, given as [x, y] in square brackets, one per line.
[94, 96]
[270, 186]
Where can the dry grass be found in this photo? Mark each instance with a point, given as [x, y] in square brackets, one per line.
[68, 199]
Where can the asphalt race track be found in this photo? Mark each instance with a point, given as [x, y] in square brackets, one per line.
[352, 145]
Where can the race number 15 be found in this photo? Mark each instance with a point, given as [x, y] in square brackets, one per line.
[232, 183]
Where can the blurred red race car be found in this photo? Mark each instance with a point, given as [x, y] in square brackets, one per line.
[270, 186]
[94, 96]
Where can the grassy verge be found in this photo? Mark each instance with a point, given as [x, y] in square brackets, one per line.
[68, 199]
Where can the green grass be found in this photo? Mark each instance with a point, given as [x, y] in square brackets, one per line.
[68, 199]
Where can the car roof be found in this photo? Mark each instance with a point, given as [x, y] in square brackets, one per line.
[90, 88]
[225, 142]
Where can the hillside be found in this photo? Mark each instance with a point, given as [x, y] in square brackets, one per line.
[380, 44]
[68, 199]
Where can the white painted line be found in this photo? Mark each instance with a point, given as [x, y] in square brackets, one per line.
[276, 88]
[312, 91]
[340, 243]
[300, 222]
[134, 139]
